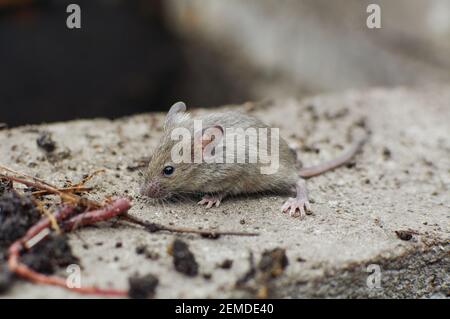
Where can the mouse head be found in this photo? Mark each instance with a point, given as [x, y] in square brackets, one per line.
[166, 176]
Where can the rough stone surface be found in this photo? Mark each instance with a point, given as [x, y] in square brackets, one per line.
[308, 47]
[399, 182]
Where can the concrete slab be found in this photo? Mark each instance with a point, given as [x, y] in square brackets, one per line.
[400, 182]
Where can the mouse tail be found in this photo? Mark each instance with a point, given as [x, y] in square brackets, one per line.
[330, 165]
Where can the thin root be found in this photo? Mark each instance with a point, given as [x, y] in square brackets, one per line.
[154, 227]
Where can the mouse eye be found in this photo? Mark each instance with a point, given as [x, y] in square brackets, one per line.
[168, 170]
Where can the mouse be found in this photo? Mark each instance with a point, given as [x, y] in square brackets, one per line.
[202, 174]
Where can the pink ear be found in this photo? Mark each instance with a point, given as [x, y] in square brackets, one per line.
[205, 142]
[210, 134]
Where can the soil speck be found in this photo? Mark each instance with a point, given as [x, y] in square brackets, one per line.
[226, 264]
[183, 259]
[5, 185]
[273, 262]
[404, 234]
[142, 287]
[46, 142]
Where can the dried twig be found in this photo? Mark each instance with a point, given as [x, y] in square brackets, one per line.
[154, 227]
[70, 189]
[36, 179]
[89, 177]
[42, 185]
[51, 217]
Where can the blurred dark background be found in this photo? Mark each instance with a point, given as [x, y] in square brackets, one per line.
[123, 60]
[134, 56]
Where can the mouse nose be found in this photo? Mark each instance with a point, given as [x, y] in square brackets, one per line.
[152, 189]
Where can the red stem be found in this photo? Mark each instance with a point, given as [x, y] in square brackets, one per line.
[117, 207]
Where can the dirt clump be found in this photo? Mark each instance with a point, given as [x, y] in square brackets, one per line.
[5, 186]
[273, 262]
[226, 264]
[183, 259]
[142, 287]
[405, 234]
[17, 214]
[45, 141]
[50, 254]
[257, 280]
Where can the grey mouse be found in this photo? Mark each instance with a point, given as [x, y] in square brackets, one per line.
[165, 177]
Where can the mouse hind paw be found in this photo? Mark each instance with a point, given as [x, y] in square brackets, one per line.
[211, 200]
[297, 207]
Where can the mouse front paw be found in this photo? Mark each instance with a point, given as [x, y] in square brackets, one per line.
[297, 207]
[211, 200]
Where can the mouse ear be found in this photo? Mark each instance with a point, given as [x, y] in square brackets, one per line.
[174, 109]
[208, 135]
